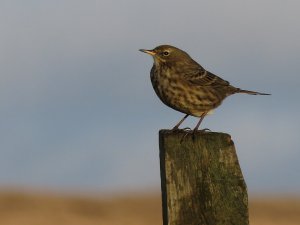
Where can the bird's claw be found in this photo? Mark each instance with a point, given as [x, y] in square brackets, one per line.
[192, 132]
[187, 129]
[205, 130]
[183, 137]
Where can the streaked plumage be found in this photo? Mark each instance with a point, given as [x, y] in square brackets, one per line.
[184, 85]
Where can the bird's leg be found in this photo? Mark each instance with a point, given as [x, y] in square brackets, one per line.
[180, 122]
[198, 124]
[193, 132]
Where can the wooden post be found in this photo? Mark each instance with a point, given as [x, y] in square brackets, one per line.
[201, 180]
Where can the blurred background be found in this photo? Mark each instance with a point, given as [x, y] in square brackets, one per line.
[78, 113]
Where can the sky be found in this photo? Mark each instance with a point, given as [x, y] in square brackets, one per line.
[78, 112]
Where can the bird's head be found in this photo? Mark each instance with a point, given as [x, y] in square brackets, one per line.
[167, 54]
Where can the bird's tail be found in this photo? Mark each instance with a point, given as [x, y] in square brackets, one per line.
[250, 92]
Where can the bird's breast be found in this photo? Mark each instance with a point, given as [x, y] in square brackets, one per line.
[178, 94]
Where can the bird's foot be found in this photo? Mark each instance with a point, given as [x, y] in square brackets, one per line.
[193, 133]
[186, 129]
[183, 137]
[204, 130]
[200, 131]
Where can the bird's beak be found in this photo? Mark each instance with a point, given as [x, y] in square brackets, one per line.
[150, 52]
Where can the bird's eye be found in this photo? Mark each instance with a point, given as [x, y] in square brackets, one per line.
[166, 53]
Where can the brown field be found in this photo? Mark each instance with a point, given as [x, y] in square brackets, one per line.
[47, 209]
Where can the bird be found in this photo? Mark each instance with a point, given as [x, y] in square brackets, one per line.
[184, 85]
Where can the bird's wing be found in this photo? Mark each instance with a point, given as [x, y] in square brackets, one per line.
[203, 77]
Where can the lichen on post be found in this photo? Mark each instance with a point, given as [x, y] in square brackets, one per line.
[201, 180]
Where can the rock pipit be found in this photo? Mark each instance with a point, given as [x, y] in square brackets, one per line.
[184, 85]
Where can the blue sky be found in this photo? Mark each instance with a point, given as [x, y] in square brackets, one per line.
[78, 111]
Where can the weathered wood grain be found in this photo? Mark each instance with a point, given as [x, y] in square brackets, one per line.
[201, 180]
